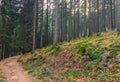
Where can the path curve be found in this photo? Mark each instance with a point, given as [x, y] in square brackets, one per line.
[13, 71]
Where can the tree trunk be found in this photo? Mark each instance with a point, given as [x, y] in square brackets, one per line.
[41, 24]
[56, 23]
[35, 23]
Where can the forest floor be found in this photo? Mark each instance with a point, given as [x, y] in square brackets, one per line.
[89, 59]
[13, 71]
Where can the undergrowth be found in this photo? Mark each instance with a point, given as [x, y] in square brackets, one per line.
[89, 59]
[1, 78]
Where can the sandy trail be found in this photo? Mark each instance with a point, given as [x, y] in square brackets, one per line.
[13, 71]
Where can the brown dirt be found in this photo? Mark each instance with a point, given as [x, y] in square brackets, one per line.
[13, 71]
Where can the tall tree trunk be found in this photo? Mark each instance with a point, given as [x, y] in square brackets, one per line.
[3, 51]
[55, 40]
[70, 21]
[85, 15]
[103, 16]
[35, 23]
[41, 21]
[98, 29]
[78, 15]
[46, 26]
[111, 13]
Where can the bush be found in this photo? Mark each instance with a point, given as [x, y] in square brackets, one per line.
[82, 48]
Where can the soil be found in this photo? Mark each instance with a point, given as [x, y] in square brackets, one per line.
[13, 71]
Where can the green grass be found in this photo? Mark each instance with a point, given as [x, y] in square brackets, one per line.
[92, 59]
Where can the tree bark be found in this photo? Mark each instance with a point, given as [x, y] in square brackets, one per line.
[35, 23]
[55, 40]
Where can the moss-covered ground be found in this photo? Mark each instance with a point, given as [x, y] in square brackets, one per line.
[89, 59]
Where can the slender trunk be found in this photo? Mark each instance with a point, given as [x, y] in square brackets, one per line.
[3, 51]
[98, 16]
[78, 23]
[90, 29]
[85, 22]
[41, 36]
[35, 23]
[70, 21]
[111, 9]
[55, 40]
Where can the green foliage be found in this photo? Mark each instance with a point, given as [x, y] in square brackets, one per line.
[70, 74]
[45, 71]
[28, 67]
[69, 81]
[95, 54]
[54, 49]
[112, 54]
[49, 49]
[82, 48]
[15, 28]
[91, 67]
[1, 81]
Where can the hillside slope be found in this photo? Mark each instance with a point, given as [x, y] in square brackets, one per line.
[89, 59]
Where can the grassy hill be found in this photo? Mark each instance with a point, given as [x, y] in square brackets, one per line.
[89, 59]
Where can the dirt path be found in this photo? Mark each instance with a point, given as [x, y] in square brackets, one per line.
[13, 71]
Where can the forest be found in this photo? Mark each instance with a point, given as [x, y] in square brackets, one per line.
[57, 39]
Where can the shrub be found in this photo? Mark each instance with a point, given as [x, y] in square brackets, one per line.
[82, 48]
